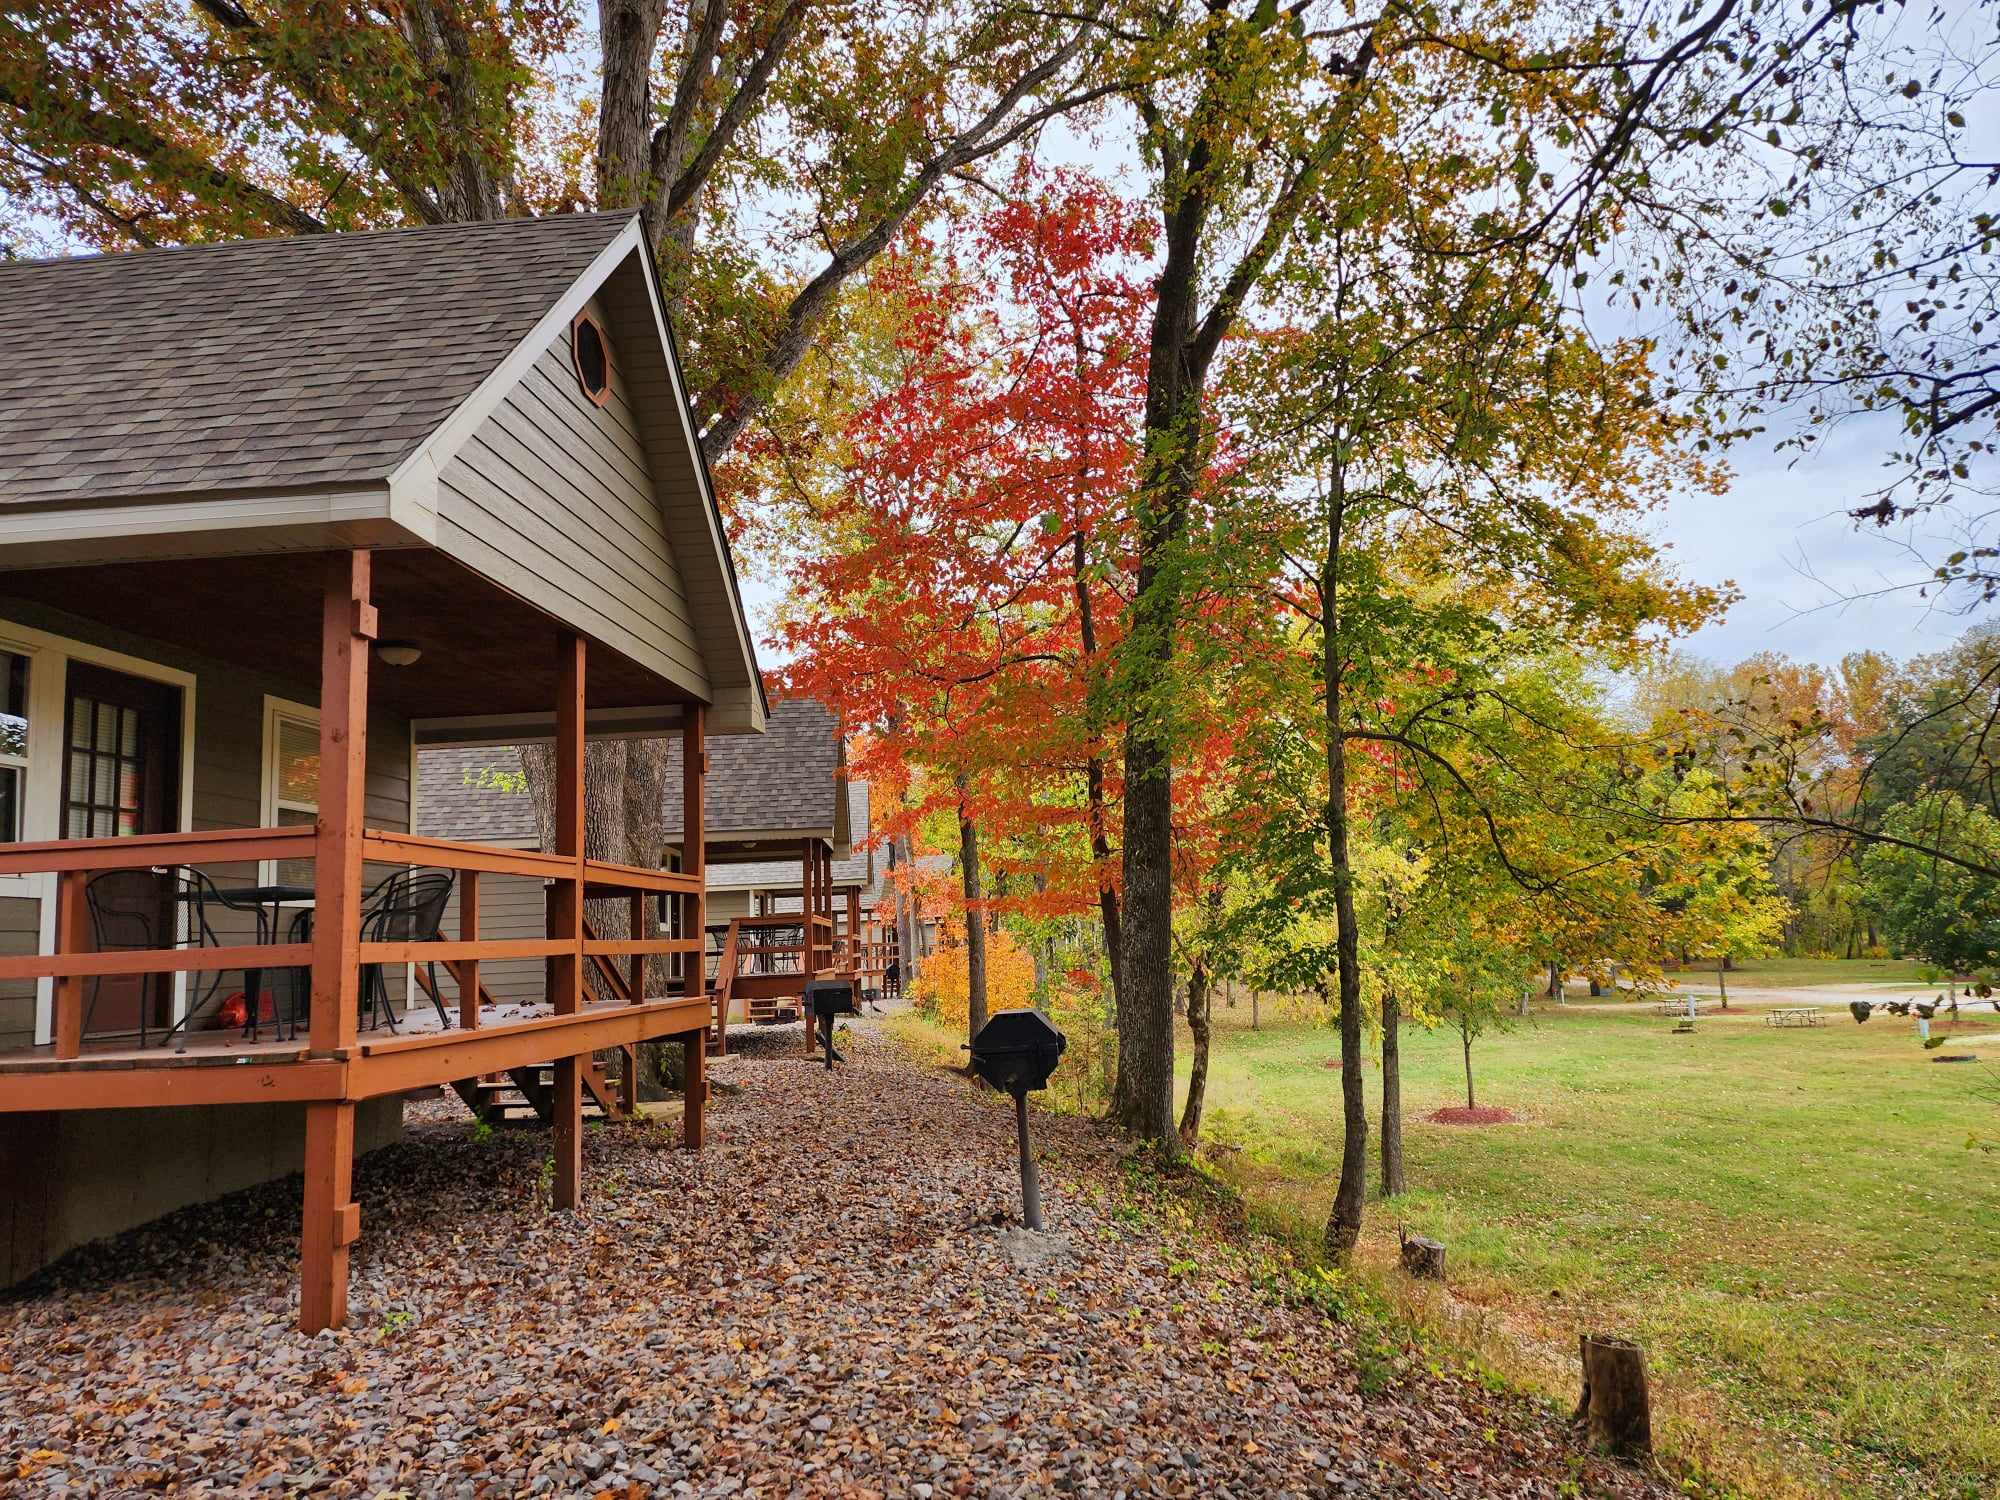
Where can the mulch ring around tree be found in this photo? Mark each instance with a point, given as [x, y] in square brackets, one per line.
[831, 1301]
[1458, 1114]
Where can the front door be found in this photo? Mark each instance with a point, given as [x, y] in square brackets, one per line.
[121, 776]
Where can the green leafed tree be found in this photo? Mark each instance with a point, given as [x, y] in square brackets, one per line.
[1931, 908]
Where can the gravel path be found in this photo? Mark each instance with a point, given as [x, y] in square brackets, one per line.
[824, 1303]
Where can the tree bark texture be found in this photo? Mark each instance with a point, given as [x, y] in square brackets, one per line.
[1392, 1095]
[1465, 1036]
[1199, 1027]
[975, 923]
[1343, 1224]
[1616, 1408]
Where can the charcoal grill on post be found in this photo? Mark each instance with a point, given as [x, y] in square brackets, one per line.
[825, 999]
[1016, 1052]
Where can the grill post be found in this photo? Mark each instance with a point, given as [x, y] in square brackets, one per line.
[1031, 1182]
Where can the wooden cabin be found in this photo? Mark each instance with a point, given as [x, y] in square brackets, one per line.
[787, 860]
[274, 516]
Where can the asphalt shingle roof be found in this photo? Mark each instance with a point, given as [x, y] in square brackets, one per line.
[263, 363]
[782, 780]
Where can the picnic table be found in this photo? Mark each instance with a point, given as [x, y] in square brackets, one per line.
[1678, 1007]
[1795, 1015]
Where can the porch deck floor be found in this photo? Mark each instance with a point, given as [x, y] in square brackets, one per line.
[228, 1047]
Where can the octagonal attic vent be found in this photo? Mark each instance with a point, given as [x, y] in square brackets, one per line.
[590, 354]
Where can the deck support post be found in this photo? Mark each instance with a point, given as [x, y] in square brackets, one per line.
[694, 1087]
[331, 1220]
[566, 918]
[694, 859]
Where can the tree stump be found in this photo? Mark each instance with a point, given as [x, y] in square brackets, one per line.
[1422, 1258]
[1615, 1408]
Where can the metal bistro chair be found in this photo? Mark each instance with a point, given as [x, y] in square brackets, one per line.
[127, 908]
[405, 908]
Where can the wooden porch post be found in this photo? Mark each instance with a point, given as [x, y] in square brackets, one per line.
[331, 1220]
[808, 874]
[566, 919]
[466, 970]
[694, 863]
[854, 928]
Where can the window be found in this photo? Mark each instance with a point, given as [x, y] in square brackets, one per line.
[591, 355]
[103, 770]
[291, 780]
[13, 744]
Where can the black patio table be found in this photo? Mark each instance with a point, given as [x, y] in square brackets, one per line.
[257, 897]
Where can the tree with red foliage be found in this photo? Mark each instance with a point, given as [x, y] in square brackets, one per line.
[962, 589]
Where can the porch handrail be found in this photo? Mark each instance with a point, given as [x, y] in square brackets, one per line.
[76, 861]
[141, 851]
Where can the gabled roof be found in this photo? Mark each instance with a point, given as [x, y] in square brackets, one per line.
[320, 359]
[299, 394]
[784, 783]
[783, 874]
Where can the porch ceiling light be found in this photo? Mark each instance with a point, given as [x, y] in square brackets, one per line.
[398, 653]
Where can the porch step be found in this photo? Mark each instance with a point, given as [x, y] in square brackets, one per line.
[530, 1092]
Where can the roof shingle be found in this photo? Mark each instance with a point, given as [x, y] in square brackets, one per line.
[263, 363]
[782, 781]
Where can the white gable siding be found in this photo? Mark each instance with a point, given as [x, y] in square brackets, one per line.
[553, 497]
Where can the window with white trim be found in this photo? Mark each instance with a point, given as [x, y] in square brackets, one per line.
[291, 780]
[13, 745]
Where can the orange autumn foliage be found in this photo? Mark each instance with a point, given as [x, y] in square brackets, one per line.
[942, 991]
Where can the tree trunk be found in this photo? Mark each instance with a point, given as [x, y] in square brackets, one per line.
[975, 923]
[1255, 996]
[1142, 1099]
[1343, 1224]
[1198, 1006]
[1465, 1035]
[1615, 1407]
[1392, 1095]
[1555, 980]
[1097, 816]
[1722, 982]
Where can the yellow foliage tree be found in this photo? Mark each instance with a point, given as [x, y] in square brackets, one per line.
[942, 991]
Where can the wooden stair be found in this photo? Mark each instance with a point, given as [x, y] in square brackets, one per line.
[531, 1091]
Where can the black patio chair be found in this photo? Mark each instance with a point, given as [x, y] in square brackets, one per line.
[405, 908]
[128, 909]
[298, 981]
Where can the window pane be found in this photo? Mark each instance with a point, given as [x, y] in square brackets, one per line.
[128, 785]
[10, 803]
[298, 762]
[128, 732]
[292, 817]
[104, 823]
[79, 822]
[107, 725]
[103, 789]
[13, 704]
[79, 775]
[79, 722]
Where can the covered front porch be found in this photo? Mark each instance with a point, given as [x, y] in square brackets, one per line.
[339, 1007]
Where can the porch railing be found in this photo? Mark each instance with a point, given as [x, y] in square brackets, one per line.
[75, 861]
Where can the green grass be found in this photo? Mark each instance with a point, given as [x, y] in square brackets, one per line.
[1789, 1220]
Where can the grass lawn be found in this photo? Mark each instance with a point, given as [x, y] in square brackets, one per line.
[1789, 1220]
